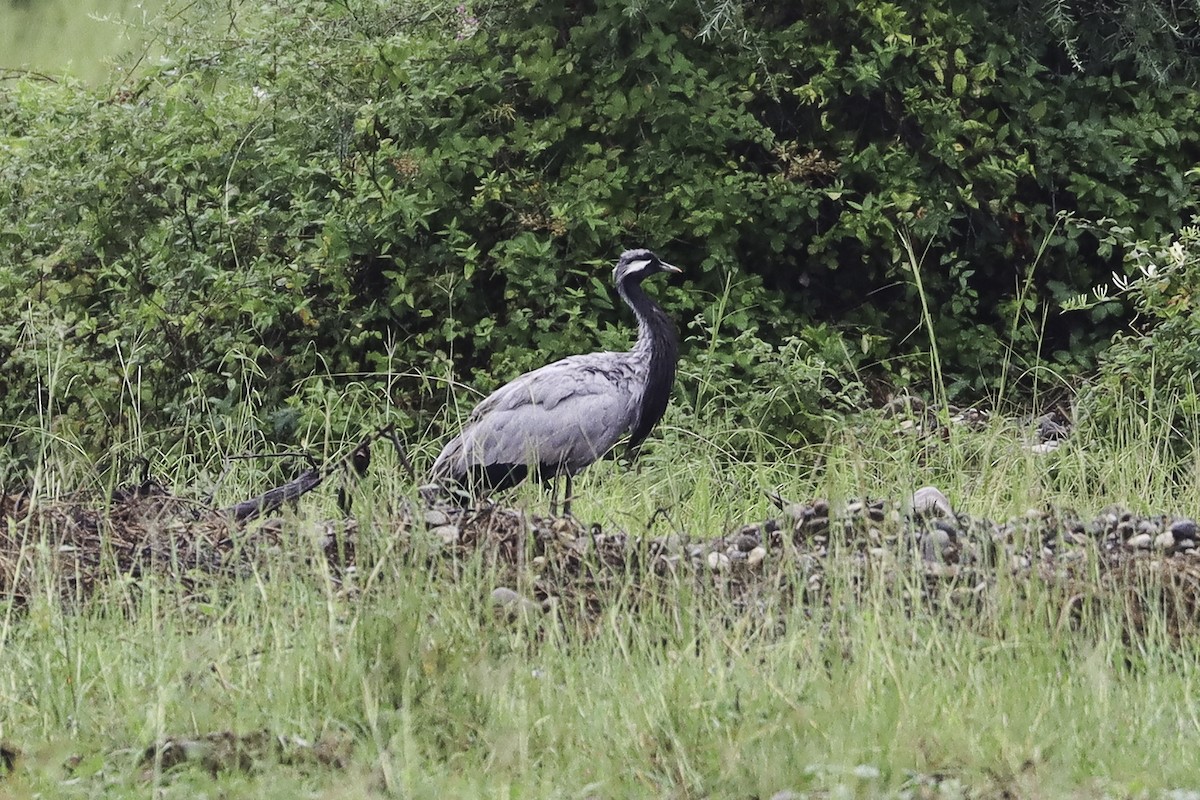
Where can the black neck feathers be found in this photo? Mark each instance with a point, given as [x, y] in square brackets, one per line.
[659, 343]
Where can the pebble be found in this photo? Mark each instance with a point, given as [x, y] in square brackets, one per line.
[448, 534]
[1139, 541]
[435, 518]
[929, 501]
[1053, 542]
[747, 542]
[430, 492]
[937, 545]
[718, 561]
[938, 570]
[664, 565]
[514, 604]
[797, 511]
[883, 557]
[1183, 529]
[813, 525]
[1078, 539]
[1049, 429]
[669, 545]
[866, 772]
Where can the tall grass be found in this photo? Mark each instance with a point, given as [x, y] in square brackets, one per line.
[870, 694]
[866, 696]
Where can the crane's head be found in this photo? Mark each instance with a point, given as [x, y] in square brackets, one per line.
[635, 265]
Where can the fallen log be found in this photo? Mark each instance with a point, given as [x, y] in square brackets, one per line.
[358, 461]
[272, 499]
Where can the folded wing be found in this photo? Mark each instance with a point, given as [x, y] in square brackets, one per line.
[558, 418]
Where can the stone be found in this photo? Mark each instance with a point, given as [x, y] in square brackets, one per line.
[1139, 541]
[664, 565]
[1164, 541]
[1183, 529]
[937, 545]
[670, 544]
[747, 542]
[447, 534]
[756, 556]
[797, 511]
[1049, 429]
[430, 492]
[718, 562]
[435, 517]
[514, 604]
[928, 501]
[866, 772]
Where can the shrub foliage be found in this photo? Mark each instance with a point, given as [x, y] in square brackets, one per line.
[410, 191]
[1148, 377]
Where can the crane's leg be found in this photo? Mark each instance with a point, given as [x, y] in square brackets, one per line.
[568, 498]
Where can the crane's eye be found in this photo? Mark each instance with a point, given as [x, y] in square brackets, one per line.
[638, 266]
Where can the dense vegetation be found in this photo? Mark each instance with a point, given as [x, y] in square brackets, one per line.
[313, 215]
[385, 195]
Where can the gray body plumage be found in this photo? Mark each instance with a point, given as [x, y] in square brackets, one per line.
[568, 414]
[560, 418]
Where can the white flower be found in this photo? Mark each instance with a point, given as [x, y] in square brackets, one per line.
[1178, 253]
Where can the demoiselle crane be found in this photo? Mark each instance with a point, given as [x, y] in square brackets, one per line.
[558, 419]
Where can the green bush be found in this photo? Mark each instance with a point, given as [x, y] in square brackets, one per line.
[394, 195]
[1149, 376]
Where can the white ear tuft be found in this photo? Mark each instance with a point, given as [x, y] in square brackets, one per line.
[637, 266]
